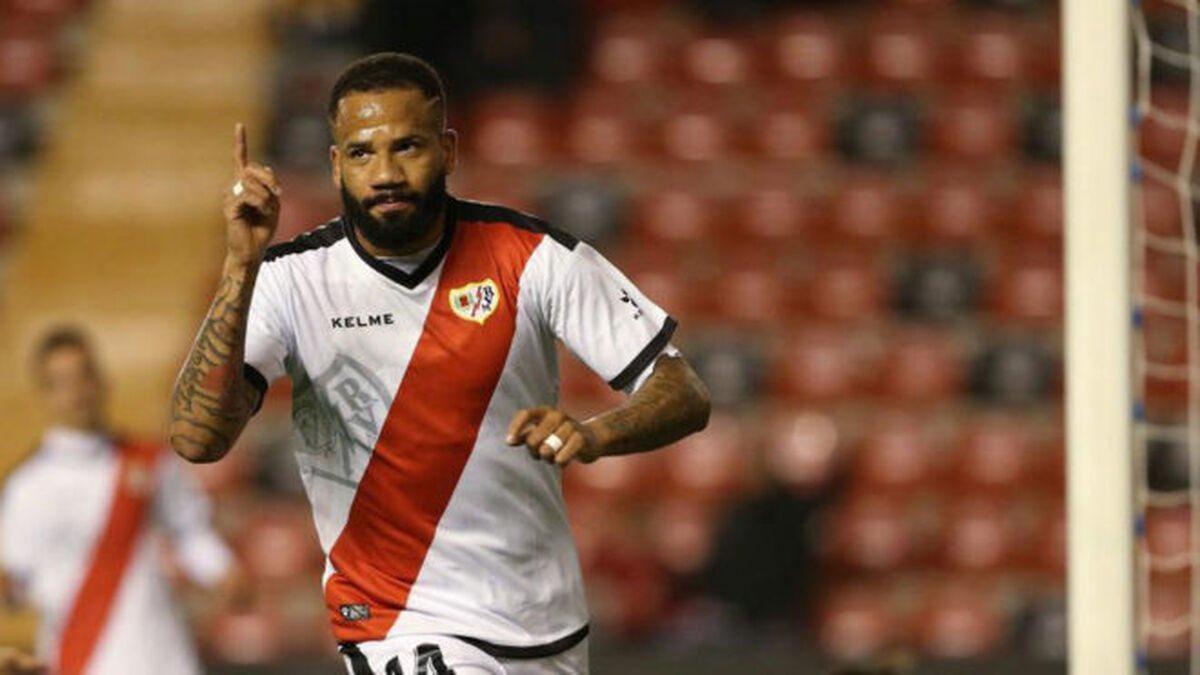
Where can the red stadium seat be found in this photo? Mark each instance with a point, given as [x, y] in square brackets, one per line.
[994, 455]
[868, 209]
[792, 127]
[718, 60]
[975, 125]
[872, 532]
[956, 208]
[27, 64]
[958, 621]
[628, 50]
[617, 477]
[822, 364]
[1169, 623]
[899, 50]
[674, 216]
[1168, 538]
[856, 622]
[484, 182]
[1050, 542]
[1029, 289]
[802, 448]
[977, 536]
[310, 202]
[1162, 134]
[895, 456]
[772, 214]
[511, 128]
[1159, 207]
[1039, 207]
[254, 636]
[681, 535]
[602, 129]
[808, 49]
[278, 544]
[991, 51]
[711, 466]
[847, 286]
[921, 366]
[695, 129]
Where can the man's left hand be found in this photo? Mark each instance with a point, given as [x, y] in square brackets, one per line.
[554, 436]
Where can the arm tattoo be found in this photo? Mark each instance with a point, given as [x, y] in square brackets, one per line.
[672, 403]
[212, 401]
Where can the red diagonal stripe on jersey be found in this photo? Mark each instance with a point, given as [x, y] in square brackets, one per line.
[132, 496]
[427, 436]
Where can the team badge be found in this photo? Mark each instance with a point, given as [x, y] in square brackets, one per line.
[476, 301]
[355, 612]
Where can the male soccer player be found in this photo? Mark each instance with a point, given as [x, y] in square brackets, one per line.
[418, 330]
[79, 533]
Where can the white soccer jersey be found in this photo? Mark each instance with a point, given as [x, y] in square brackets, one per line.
[404, 385]
[79, 529]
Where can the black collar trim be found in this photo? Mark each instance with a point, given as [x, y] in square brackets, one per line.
[406, 279]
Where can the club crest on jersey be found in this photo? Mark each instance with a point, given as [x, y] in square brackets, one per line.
[476, 301]
[355, 612]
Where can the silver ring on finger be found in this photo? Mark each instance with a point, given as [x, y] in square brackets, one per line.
[238, 189]
[554, 442]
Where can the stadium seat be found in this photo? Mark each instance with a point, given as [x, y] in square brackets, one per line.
[921, 366]
[301, 142]
[868, 208]
[674, 216]
[681, 535]
[718, 60]
[695, 130]
[1169, 621]
[899, 50]
[278, 544]
[1162, 135]
[1042, 135]
[1168, 538]
[895, 455]
[994, 455]
[802, 448]
[18, 134]
[958, 621]
[712, 466]
[991, 51]
[847, 285]
[856, 621]
[1028, 289]
[589, 207]
[1039, 205]
[772, 215]
[27, 64]
[809, 49]
[632, 476]
[1012, 371]
[873, 533]
[791, 126]
[602, 127]
[1159, 208]
[977, 536]
[1049, 546]
[974, 125]
[938, 288]
[627, 49]
[511, 128]
[822, 364]
[249, 637]
[732, 365]
[310, 202]
[882, 131]
[956, 208]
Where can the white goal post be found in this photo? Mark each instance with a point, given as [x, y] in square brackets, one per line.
[1100, 503]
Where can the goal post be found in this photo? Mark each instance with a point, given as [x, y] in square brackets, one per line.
[1100, 500]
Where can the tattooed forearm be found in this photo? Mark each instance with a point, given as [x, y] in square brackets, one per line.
[212, 401]
[671, 404]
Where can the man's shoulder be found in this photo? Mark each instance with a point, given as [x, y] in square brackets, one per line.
[318, 238]
[485, 212]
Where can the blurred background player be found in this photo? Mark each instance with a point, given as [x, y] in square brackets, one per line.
[419, 332]
[81, 530]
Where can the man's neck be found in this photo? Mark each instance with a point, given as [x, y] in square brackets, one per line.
[425, 241]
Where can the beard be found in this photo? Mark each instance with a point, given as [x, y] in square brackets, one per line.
[395, 231]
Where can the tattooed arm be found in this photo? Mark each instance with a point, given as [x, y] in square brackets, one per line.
[671, 404]
[212, 400]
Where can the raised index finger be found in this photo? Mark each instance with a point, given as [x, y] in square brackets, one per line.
[239, 146]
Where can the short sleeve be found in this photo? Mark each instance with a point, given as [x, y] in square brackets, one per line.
[185, 515]
[268, 334]
[18, 535]
[601, 316]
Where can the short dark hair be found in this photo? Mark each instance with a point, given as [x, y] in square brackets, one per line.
[389, 70]
[60, 337]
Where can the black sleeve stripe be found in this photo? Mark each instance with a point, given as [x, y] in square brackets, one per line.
[257, 381]
[644, 357]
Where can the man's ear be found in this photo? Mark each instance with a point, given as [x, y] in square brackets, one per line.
[335, 165]
[450, 149]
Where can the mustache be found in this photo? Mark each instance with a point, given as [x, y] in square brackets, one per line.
[391, 196]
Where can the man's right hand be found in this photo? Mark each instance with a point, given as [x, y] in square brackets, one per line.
[251, 206]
